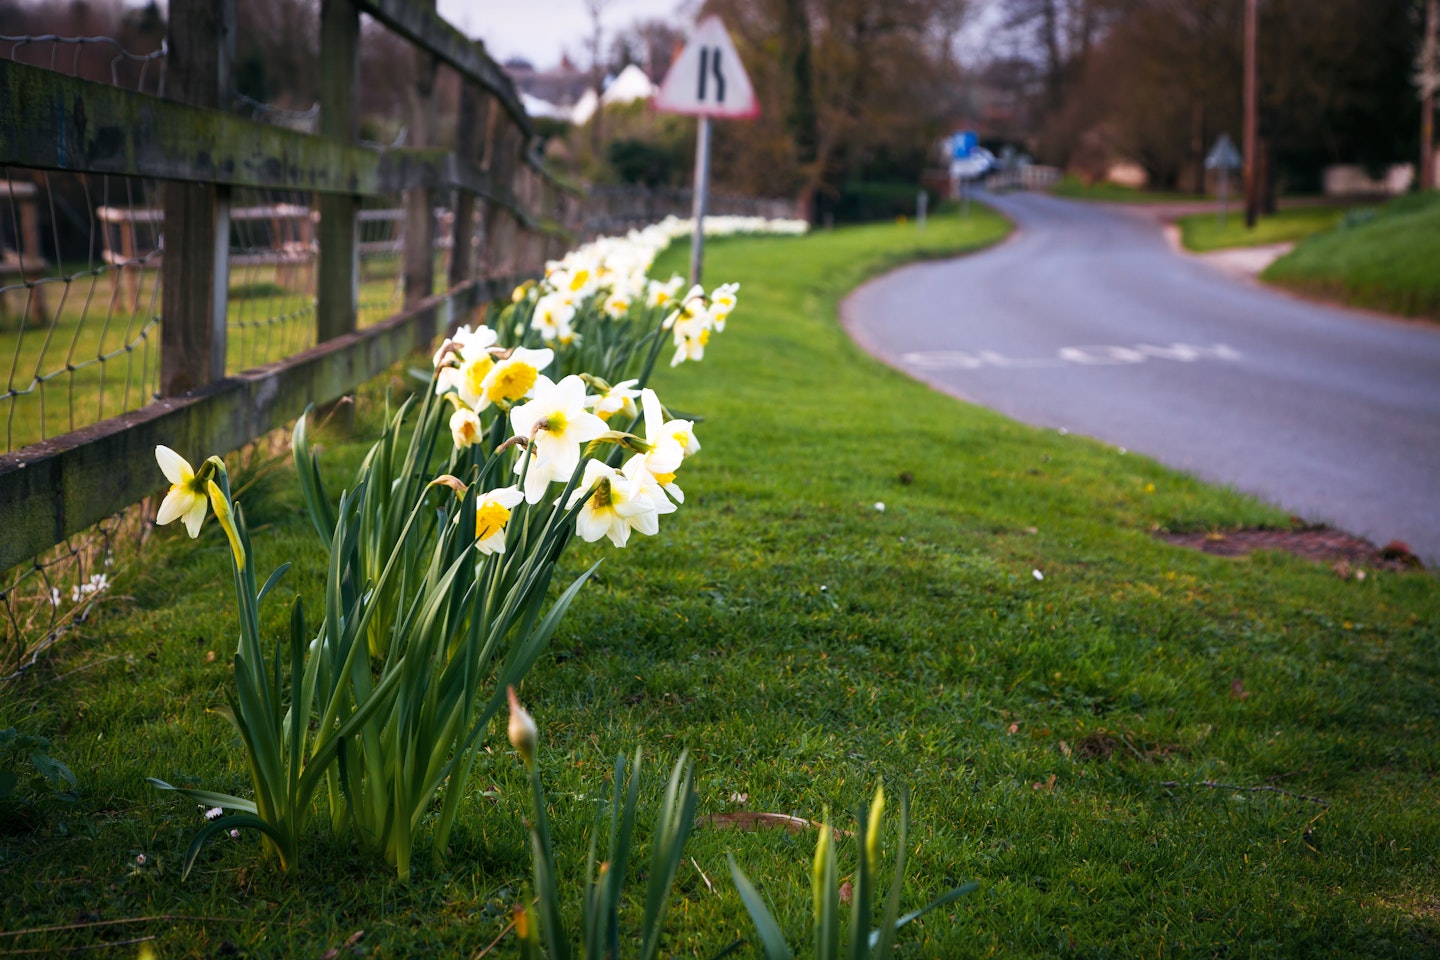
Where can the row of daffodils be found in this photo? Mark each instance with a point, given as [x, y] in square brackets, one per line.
[441, 550]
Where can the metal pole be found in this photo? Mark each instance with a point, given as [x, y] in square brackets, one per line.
[1224, 194]
[702, 186]
[921, 200]
[1252, 184]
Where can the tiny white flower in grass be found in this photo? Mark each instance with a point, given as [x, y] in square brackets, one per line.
[465, 428]
[140, 859]
[188, 496]
[1037, 574]
[879, 507]
[513, 378]
[557, 423]
[521, 729]
[618, 399]
[492, 513]
[234, 834]
[214, 813]
[54, 596]
[614, 504]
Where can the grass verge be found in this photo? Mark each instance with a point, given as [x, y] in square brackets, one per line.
[1202, 232]
[1124, 753]
[1383, 259]
[1073, 188]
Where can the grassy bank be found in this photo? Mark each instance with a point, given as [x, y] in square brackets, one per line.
[1098, 747]
[1202, 232]
[1387, 259]
[1073, 188]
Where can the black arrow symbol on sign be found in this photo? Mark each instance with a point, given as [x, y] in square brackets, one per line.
[719, 78]
[710, 64]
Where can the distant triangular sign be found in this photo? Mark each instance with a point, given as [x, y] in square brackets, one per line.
[707, 79]
[1224, 156]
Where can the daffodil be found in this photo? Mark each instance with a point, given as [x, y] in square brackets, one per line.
[188, 494]
[467, 342]
[659, 294]
[557, 423]
[722, 302]
[190, 490]
[492, 513]
[513, 377]
[465, 428]
[614, 504]
[617, 399]
[553, 313]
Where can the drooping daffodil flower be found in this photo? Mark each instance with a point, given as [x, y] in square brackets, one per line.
[614, 503]
[190, 490]
[188, 497]
[492, 513]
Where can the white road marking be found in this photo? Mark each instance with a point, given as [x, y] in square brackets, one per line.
[1084, 356]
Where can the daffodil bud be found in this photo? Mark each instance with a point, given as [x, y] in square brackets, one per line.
[872, 829]
[522, 730]
[221, 505]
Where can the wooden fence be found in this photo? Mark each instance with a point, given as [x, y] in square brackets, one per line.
[506, 219]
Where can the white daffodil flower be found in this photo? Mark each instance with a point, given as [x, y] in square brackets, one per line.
[468, 379]
[465, 428]
[618, 399]
[553, 313]
[655, 487]
[188, 494]
[557, 423]
[614, 504]
[722, 302]
[665, 455]
[513, 378]
[467, 342]
[492, 513]
[658, 294]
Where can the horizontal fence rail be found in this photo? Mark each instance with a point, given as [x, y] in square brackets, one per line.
[227, 239]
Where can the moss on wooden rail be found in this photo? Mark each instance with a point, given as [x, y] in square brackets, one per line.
[55, 122]
[56, 488]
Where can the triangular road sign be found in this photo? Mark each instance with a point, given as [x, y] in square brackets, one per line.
[1224, 156]
[707, 79]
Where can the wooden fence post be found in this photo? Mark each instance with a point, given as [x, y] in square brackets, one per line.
[469, 145]
[419, 249]
[196, 267]
[338, 271]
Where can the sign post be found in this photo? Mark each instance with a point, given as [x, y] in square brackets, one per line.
[706, 81]
[1223, 157]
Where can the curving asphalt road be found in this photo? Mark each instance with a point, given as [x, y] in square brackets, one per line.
[1085, 319]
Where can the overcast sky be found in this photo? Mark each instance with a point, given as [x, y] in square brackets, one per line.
[539, 30]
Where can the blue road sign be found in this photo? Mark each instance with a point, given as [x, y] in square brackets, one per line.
[963, 144]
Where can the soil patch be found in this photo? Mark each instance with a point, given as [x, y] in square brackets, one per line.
[1346, 553]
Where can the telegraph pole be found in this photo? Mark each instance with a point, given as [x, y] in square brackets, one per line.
[1428, 76]
[1252, 183]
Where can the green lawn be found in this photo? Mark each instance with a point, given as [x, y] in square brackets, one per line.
[270, 317]
[1202, 232]
[1073, 188]
[1386, 259]
[1084, 745]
